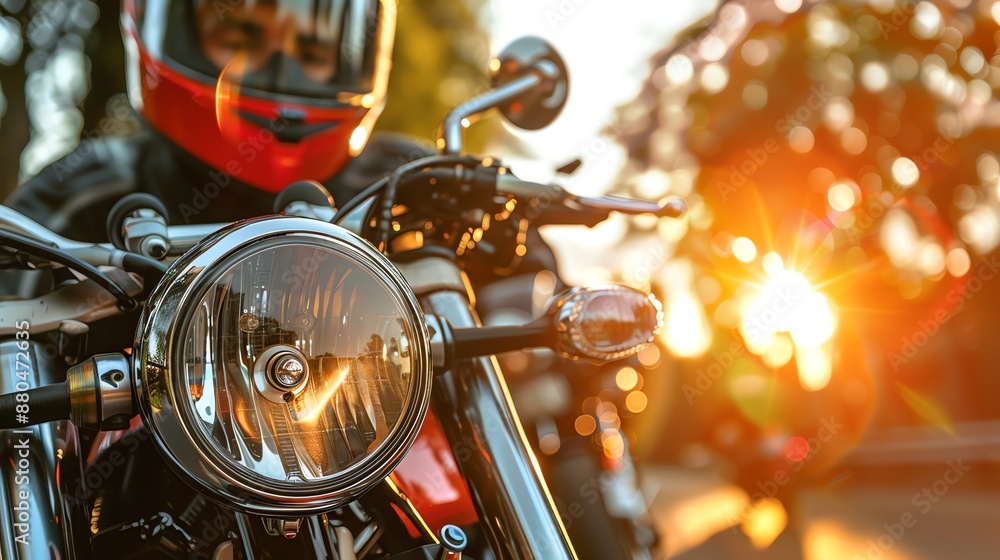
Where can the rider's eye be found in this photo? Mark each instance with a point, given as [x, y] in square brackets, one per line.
[315, 53]
[237, 36]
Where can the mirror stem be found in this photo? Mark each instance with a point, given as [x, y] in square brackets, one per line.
[450, 139]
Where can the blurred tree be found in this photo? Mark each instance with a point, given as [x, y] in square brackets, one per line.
[439, 60]
[851, 144]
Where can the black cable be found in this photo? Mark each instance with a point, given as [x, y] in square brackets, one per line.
[389, 197]
[151, 270]
[390, 184]
[34, 247]
[44, 404]
[358, 200]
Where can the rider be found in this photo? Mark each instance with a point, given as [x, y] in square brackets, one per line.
[239, 98]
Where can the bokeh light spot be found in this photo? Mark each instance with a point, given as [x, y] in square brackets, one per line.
[626, 379]
[796, 449]
[744, 250]
[905, 172]
[636, 401]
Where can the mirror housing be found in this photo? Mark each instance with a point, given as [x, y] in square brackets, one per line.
[536, 108]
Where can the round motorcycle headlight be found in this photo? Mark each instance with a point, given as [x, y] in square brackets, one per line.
[283, 366]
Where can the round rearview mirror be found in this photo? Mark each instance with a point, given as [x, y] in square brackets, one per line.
[540, 106]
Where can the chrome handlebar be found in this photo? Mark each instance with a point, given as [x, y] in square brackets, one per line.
[182, 238]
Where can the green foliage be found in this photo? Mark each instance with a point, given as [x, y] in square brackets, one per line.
[439, 60]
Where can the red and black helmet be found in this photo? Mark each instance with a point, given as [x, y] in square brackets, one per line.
[268, 91]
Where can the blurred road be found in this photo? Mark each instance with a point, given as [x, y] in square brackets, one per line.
[947, 510]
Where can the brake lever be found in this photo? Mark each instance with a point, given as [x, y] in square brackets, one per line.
[666, 208]
[562, 207]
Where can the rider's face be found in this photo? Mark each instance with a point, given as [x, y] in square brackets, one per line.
[258, 32]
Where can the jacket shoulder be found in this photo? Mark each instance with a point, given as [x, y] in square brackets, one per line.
[74, 195]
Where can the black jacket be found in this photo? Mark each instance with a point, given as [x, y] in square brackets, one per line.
[74, 195]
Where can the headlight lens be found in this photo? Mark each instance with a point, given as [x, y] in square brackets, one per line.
[296, 366]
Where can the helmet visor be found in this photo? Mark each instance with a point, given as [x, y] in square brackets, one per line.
[301, 48]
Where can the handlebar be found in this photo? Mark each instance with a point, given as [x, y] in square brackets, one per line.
[554, 205]
[182, 238]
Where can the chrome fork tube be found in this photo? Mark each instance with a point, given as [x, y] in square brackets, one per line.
[514, 505]
[30, 490]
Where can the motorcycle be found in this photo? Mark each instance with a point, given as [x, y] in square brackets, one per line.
[313, 383]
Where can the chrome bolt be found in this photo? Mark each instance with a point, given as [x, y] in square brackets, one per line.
[287, 370]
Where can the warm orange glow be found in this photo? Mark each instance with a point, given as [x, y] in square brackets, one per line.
[636, 401]
[815, 366]
[227, 92]
[764, 522]
[358, 139]
[585, 424]
[613, 443]
[319, 403]
[787, 302]
[930, 411]
[649, 356]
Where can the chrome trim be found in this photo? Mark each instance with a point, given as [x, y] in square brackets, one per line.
[100, 392]
[12, 219]
[573, 313]
[160, 337]
[402, 501]
[184, 237]
[515, 507]
[439, 340]
[288, 528]
[180, 238]
[145, 232]
[345, 543]
[263, 373]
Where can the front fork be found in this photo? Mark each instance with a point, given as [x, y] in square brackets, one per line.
[42, 470]
[515, 507]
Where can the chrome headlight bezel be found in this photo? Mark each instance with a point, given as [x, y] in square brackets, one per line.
[157, 379]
